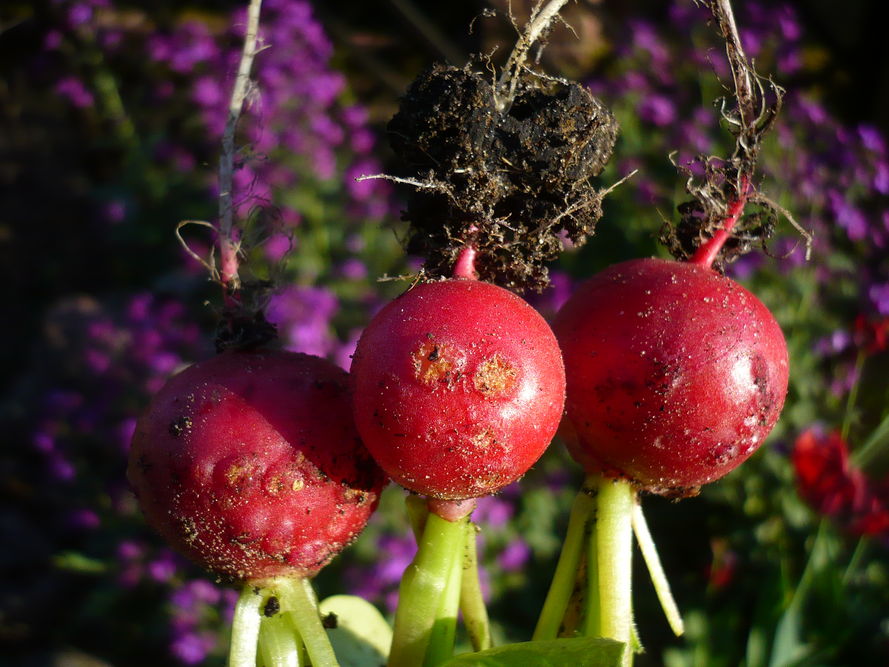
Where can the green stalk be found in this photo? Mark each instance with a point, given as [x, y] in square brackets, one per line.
[279, 645]
[472, 604]
[245, 627]
[614, 549]
[857, 556]
[592, 611]
[563, 581]
[417, 511]
[876, 444]
[656, 571]
[298, 599]
[444, 629]
[848, 417]
[421, 590]
[577, 610]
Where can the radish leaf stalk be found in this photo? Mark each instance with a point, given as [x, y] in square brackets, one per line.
[444, 628]
[302, 609]
[279, 643]
[582, 511]
[591, 617]
[422, 588]
[613, 551]
[472, 604]
[245, 627]
[656, 571]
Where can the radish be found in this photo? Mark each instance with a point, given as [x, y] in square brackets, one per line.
[249, 464]
[459, 388]
[676, 374]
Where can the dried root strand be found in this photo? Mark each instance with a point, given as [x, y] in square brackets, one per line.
[749, 112]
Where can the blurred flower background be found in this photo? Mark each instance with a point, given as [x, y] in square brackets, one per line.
[111, 114]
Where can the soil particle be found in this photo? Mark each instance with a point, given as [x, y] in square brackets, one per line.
[180, 425]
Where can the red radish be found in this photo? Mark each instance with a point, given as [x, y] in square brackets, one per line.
[459, 388]
[249, 464]
[676, 374]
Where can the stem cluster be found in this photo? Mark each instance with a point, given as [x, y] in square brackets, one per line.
[591, 591]
[279, 623]
[441, 581]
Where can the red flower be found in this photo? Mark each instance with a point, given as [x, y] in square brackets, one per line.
[872, 335]
[835, 488]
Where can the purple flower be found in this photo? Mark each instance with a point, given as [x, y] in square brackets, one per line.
[60, 468]
[114, 211]
[43, 442]
[646, 38]
[848, 216]
[879, 296]
[53, 40]
[303, 317]
[380, 580]
[192, 648]
[788, 24]
[657, 109]
[493, 511]
[881, 178]
[163, 567]
[277, 247]
[514, 556]
[207, 92]
[836, 342]
[79, 13]
[872, 139]
[75, 92]
[353, 269]
[83, 519]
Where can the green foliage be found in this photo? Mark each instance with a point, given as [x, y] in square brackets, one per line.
[580, 652]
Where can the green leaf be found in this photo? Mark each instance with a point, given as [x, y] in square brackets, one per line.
[361, 637]
[580, 652]
[77, 562]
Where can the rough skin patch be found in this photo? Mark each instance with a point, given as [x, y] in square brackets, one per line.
[484, 439]
[494, 377]
[434, 363]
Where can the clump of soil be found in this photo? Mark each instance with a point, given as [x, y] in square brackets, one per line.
[512, 182]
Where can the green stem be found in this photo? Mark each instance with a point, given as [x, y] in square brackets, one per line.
[577, 611]
[421, 590]
[279, 645]
[614, 549]
[444, 629]
[417, 512]
[245, 627]
[853, 396]
[592, 606]
[472, 603]
[856, 559]
[563, 581]
[298, 599]
[873, 446]
[656, 571]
